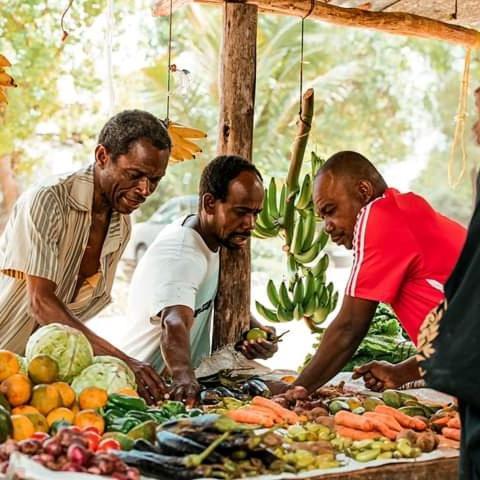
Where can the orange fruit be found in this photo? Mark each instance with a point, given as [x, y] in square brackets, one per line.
[92, 397]
[129, 392]
[39, 421]
[9, 364]
[90, 418]
[45, 398]
[43, 369]
[61, 413]
[24, 409]
[75, 408]
[17, 388]
[22, 427]
[66, 392]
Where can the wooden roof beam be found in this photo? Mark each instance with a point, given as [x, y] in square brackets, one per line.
[396, 23]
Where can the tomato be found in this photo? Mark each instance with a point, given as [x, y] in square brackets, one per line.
[74, 428]
[40, 436]
[93, 439]
[91, 429]
[108, 444]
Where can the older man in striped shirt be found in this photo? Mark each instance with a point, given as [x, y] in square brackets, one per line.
[404, 251]
[61, 246]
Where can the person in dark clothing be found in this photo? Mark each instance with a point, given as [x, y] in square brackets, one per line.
[449, 346]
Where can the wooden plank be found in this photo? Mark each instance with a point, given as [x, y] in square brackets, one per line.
[237, 101]
[441, 469]
[396, 23]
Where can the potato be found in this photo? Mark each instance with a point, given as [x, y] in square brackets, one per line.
[427, 441]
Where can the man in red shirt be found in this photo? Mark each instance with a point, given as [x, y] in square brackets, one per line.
[404, 251]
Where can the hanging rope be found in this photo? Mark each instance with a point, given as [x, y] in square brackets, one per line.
[108, 46]
[459, 135]
[169, 59]
[64, 32]
[312, 6]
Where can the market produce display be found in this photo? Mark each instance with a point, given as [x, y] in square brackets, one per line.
[6, 80]
[73, 412]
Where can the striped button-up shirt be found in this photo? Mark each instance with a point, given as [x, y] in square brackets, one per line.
[46, 236]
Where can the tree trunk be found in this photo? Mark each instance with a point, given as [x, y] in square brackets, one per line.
[237, 100]
[9, 189]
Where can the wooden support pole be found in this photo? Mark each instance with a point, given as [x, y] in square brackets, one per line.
[397, 23]
[237, 100]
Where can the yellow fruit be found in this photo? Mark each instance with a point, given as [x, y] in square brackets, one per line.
[61, 413]
[22, 427]
[92, 397]
[90, 418]
[46, 398]
[24, 409]
[39, 422]
[9, 364]
[17, 388]
[43, 369]
[66, 392]
[129, 392]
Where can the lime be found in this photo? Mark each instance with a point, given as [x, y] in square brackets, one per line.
[256, 334]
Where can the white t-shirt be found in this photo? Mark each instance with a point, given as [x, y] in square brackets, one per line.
[177, 269]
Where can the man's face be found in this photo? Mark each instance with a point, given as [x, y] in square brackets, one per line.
[338, 201]
[234, 219]
[131, 178]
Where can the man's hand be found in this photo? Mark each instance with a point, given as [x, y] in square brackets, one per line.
[150, 385]
[261, 348]
[185, 388]
[379, 376]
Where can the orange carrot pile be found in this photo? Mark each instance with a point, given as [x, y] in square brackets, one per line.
[404, 420]
[263, 412]
[286, 415]
[452, 428]
[356, 426]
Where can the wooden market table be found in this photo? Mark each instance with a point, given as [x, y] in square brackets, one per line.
[439, 469]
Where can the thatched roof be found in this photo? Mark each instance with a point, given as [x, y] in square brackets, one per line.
[468, 11]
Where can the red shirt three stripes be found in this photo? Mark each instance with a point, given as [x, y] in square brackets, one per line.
[404, 252]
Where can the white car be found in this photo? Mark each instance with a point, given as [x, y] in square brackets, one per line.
[144, 233]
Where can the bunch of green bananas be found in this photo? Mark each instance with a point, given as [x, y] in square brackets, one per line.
[306, 296]
[270, 218]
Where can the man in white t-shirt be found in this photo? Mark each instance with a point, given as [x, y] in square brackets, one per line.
[174, 286]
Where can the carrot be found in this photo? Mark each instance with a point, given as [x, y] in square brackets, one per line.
[287, 415]
[420, 425]
[452, 433]
[442, 421]
[401, 418]
[382, 427]
[249, 416]
[444, 442]
[356, 434]
[351, 420]
[387, 420]
[266, 411]
[454, 422]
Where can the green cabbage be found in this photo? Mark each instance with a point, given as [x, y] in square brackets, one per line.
[108, 376]
[69, 347]
[109, 360]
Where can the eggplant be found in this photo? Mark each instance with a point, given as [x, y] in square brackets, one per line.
[225, 392]
[162, 467]
[234, 442]
[145, 446]
[172, 444]
[256, 387]
[201, 422]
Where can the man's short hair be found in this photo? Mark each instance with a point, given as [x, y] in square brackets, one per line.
[125, 128]
[354, 166]
[218, 174]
